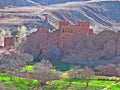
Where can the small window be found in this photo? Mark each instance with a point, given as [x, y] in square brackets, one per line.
[82, 25]
[68, 31]
[63, 30]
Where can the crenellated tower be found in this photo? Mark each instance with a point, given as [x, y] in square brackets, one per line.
[67, 31]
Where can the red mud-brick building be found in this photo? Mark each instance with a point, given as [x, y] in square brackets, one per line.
[11, 41]
[67, 31]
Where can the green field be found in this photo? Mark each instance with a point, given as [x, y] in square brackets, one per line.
[25, 84]
[117, 87]
[18, 84]
[79, 85]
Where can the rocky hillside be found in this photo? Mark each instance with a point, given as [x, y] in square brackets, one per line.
[21, 3]
[102, 15]
[48, 2]
[14, 3]
[91, 50]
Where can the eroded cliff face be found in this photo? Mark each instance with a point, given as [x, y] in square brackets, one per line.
[103, 46]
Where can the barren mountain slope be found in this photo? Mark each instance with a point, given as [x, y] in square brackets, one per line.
[21, 3]
[101, 15]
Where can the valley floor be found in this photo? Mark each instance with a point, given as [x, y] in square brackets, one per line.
[25, 84]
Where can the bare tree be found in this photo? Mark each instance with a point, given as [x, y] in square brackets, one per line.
[12, 63]
[86, 75]
[74, 73]
[2, 87]
[22, 44]
[8, 64]
[43, 72]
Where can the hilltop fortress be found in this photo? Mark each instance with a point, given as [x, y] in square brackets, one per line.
[60, 38]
